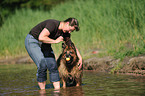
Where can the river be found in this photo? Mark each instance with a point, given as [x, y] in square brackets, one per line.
[20, 80]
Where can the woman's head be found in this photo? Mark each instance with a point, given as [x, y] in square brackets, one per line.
[73, 23]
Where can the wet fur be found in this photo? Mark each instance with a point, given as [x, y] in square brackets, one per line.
[71, 70]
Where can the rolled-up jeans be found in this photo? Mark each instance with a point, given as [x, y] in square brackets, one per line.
[43, 63]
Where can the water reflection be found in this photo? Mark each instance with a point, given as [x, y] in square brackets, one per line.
[56, 93]
[69, 91]
[72, 91]
[42, 93]
[20, 80]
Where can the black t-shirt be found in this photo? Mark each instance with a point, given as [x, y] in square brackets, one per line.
[52, 27]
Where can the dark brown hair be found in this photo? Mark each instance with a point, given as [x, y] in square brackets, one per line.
[73, 22]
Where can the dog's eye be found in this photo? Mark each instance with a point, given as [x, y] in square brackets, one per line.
[71, 52]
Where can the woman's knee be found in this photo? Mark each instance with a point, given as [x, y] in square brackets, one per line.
[53, 70]
[42, 71]
[43, 63]
[52, 65]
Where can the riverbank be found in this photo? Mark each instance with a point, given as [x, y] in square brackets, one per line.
[129, 66]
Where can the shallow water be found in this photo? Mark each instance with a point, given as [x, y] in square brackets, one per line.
[20, 80]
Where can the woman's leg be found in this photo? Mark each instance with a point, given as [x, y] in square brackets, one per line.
[34, 51]
[53, 72]
[56, 85]
[42, 85]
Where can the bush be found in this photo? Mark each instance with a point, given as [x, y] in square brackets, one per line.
[114, 26]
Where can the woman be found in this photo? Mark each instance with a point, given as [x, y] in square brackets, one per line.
[38, 45]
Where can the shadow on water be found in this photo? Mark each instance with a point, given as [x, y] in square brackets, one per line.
[20, 80]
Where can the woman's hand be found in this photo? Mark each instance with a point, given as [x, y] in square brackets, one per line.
[80, 64]
[59, 39]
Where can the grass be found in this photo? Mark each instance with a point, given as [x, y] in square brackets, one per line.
[116, 27]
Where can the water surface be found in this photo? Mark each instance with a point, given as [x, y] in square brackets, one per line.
[20, 80]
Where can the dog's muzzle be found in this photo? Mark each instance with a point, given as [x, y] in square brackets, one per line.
[67, 58]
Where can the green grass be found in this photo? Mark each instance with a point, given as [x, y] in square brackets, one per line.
[116, 27]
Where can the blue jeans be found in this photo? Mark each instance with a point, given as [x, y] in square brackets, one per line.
[43, 63]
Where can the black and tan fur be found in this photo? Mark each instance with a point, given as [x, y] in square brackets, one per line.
[69, 69]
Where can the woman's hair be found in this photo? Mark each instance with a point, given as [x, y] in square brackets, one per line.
[73, 22]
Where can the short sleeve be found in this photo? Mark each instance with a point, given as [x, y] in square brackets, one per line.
[50, 26]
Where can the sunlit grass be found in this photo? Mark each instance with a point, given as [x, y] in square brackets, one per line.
[115, 27]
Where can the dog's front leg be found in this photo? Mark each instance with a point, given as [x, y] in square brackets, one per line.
[78, 84]
[79, 81]
[64, 83]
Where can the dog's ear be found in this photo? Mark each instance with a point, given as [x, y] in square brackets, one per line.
[63, 45]
[73, 46]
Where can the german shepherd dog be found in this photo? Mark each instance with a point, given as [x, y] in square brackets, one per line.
[68, 66]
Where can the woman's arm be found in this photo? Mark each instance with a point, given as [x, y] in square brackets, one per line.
[80, 59]
[43, 37]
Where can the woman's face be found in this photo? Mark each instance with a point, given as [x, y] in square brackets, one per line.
[68, 28]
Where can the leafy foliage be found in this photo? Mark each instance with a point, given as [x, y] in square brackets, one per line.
[8, 7]
[112, 27]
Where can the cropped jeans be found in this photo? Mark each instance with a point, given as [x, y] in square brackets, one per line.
[43, 63]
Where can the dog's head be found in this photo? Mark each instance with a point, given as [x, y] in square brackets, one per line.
[69, 53]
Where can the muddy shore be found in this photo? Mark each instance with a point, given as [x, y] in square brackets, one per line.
[129, 66]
